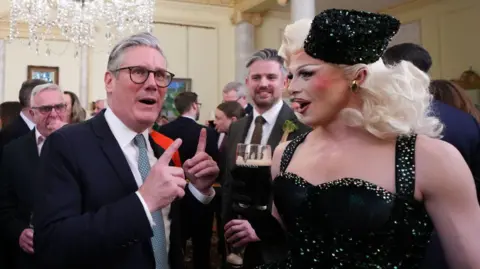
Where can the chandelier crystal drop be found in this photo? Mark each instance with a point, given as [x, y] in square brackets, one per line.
[80, 22]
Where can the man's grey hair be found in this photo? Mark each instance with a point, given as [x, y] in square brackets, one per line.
[43, 87]
[267, 55]
[238, 87]
[142, 39]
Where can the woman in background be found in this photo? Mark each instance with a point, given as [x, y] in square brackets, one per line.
[450, 93]
[362, 189]
[76, 113]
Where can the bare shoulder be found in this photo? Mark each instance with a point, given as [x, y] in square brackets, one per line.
[277, 158]
[439, 165]
[281, 148]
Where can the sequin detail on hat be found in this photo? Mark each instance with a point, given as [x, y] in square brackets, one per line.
[350, 37]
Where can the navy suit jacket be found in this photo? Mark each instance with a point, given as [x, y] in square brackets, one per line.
[14, 130]
[86, 212]
[462, 131]
[189, 130]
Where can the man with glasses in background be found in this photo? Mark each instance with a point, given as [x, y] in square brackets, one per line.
[109, 196]
[18, 172]
[236, 91]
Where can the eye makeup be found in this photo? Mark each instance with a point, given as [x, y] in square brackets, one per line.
[307, 71]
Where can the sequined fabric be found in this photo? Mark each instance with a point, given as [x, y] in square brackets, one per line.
[350, 37]
[351, 223]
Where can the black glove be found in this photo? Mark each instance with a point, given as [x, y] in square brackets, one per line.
[266, 226]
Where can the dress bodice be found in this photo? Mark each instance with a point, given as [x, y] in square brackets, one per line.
[350, 222]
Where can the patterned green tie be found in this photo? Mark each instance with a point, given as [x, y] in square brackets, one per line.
[159, 242]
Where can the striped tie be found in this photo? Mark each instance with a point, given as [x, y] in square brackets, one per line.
[159, 239]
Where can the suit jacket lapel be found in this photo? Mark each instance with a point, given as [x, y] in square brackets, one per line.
[238, 135]
[113, 152]
[244, 128]
[277, 131]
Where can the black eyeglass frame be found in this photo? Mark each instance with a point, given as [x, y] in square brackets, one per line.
[130, 68]
[59, 108]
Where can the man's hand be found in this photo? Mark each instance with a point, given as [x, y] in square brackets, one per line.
[164, 183]
[239, 233]
[201, 170]
[26, 241]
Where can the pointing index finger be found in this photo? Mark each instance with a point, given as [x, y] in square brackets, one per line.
[168, 154]
[202, 140]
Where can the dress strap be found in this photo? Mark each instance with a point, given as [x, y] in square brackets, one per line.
[289, 150]
[405, 165]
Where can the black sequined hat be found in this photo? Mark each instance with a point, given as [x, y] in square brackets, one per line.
[349, 36]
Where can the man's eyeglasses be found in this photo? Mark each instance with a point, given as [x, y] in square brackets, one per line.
[139, 75]
[59, 108]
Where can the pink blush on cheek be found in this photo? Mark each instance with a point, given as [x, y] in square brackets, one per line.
[321, 82]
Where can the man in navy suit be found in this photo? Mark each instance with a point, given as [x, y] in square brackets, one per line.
[104, 199]
[186, 128]
[461, 130]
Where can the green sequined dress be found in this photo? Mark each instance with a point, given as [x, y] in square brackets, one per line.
[351, 223]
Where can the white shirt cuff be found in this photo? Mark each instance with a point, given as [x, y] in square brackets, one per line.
[145, 207]
[202, 198]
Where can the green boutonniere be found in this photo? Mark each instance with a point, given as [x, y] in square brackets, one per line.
[287, 128]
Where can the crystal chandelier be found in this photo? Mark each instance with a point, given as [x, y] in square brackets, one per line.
[80, 22]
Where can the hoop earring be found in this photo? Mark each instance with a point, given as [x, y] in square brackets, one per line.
[354, 86]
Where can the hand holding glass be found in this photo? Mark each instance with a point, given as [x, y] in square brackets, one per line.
[252, 167]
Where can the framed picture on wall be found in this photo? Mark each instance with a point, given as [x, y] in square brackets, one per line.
[47, 73]
[177, 86]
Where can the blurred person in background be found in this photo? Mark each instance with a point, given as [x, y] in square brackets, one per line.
[161, 120]
[17, 185]
[225, 114]
[9, 112]
[237, 91]
[24, 122]
[97, 106]
[452, 94]
[20, 126]
[75, 112]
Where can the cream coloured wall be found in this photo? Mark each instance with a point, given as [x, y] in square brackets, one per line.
[449, 31]
[18, 56]
[269, 34]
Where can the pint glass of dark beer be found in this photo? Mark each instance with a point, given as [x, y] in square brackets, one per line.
[252, 167]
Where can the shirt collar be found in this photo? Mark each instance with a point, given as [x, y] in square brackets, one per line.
[270, 115]
[188, 117]
[38, 135]
[121, 132]
[29, 123]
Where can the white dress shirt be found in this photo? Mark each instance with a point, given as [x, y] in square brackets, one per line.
[29, 123]
[124, 137]
[220, 139]
[270, 117]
